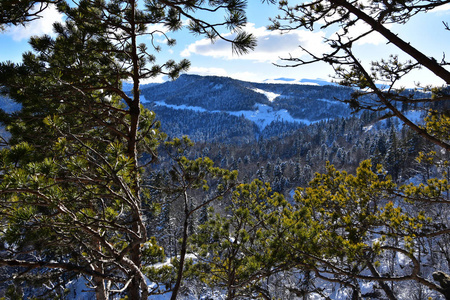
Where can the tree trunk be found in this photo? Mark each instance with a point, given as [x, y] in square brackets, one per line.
[387, 290]
[429, 63]
[134, 290]
[444, 281]
[101, 292]
[182, 254]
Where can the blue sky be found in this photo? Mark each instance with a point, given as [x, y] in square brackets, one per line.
[425, 32]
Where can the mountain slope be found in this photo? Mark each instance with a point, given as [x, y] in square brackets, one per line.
[210, 107]
[214, 93]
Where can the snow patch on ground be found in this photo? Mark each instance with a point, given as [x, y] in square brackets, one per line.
[367, 128]
[168, 260]
[415, 116]
[270, 96]
[181, 107]
[166, 296]
[79, 291]
[327, 100]
[262, 116]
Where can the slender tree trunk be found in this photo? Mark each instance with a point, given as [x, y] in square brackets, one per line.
[100, 288]
[231, 291]
[182, 251]
[444, 281]
[429, 63]
[134, 290]
[356, 294]
[387, 290]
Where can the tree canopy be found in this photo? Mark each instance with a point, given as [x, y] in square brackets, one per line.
[71, 175]
[78, 195]
[22, 12]
[350, 71]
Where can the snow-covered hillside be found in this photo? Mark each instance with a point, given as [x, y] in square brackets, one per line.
[262, 115]
[225, 94]
[221, 102]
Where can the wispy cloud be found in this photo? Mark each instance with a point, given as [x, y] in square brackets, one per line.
[158, 29]
[271, 45]
[243, 75]
[208, 71]
[360, 28]
[41, 26]
[442, 8]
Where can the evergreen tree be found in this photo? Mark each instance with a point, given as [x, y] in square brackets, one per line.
[188, 179]
[22, 12]
[350, 70]
[343, 230]
[71, 189]
[238, 250]
[404, 228]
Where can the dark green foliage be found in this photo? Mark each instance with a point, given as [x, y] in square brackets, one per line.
[21, 12]
[71, 189]
[236, 250]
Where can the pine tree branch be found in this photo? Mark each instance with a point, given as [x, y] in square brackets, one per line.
[57, 265]
[392, 108]
[430, 63]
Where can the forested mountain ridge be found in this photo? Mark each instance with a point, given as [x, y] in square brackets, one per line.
[227, 94]
[97, 202]
[210, 108]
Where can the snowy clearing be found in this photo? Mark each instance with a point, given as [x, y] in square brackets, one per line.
[270, 96]
[262, 116]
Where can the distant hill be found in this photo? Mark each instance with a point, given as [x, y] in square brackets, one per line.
[214, 93]
[222, 109]
[127, 86]
[305, 81]
[209, 107]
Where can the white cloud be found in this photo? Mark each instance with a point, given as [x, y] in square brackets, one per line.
[373, 38]
[442, 8]
[208, 71]
[158, 29]
[158, 79]
[245, 75]
[43, 25]
[271, 45]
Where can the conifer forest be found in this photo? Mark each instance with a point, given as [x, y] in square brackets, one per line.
[209, 187]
